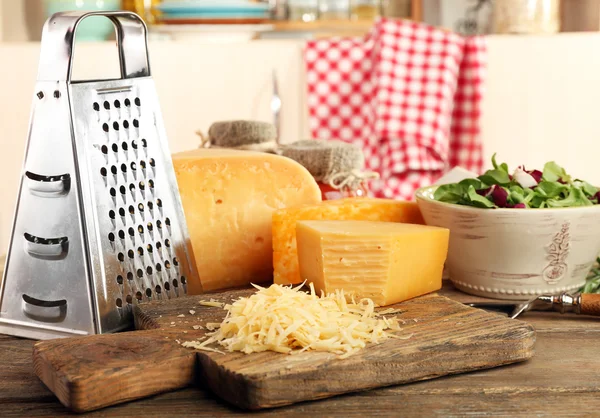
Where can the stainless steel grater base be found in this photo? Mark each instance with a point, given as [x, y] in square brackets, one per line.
[99, 224]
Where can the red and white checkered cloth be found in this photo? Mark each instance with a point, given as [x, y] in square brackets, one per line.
[407, 93]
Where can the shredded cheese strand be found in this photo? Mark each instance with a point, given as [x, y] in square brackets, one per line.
[287, 320]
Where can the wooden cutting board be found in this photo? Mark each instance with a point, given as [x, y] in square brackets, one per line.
[88, 373]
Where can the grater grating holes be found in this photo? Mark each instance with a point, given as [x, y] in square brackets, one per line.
[111, 237]
[121, 257]
[120, 279]
[144, 183]
[96, 106]
[128, 299]
[103, 172]
[106, 105]
[119, 303]
[183, 280]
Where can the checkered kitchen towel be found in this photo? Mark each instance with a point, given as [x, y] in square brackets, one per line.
[407, 93]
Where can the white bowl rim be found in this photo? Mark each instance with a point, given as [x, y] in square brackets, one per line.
[420, 195]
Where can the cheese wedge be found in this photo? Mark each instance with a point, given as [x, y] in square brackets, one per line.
[386, 262]
[228, 198]
[285, 258]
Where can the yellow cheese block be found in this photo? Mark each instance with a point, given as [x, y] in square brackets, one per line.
[285, 258]
[228, 198]
[386, 262]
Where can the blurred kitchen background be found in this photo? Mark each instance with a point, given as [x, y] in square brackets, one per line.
[233, 59]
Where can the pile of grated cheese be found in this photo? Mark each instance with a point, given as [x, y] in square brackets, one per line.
[287, 320]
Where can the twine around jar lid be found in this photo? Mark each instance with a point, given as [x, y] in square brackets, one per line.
[241, 135]
[335, 163]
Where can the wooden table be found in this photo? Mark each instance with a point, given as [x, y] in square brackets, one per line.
[563, 379]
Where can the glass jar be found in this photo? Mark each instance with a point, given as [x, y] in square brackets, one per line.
[329, 192]
[526, 16]
[303, 10]
[334, 9]
[364, 9]
[397, 8]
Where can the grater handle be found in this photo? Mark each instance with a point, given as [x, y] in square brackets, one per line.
[58, 39]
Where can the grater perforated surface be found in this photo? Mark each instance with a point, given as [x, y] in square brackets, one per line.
[134, 200]
[99, 224]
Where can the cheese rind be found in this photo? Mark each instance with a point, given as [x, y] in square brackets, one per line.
[386, 262]
[228, 198]
[285, 258]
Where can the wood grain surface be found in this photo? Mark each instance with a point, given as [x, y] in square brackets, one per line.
[447, 338]
[560, 380]
[590, 304]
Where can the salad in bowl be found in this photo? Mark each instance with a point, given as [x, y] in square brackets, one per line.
[517, 234]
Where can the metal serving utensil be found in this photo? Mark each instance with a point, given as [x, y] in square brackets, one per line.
[583, 304]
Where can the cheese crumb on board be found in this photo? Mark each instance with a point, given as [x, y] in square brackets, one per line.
[181, 316]
[286, 320]
[192, 312]
[212, 303]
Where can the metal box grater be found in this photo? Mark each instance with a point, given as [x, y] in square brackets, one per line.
[99, 224]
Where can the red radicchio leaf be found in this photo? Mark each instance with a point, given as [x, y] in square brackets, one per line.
[485, 192]
[536, 174]
[520, 206]
[499, 196]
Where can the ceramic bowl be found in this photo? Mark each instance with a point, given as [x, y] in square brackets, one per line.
[95, 28]
[516, 253]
